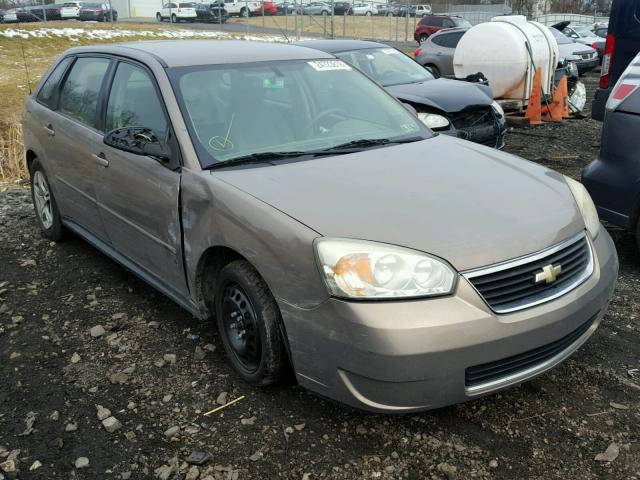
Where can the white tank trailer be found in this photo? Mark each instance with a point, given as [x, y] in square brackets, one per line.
[505, 50]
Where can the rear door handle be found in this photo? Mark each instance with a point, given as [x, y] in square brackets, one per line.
[100, 160]
[49, 129]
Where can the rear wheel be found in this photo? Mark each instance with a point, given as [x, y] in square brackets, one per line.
[368, 14]
[174, 19]
[47, 213]
[244, 12]
[423, 38]
[248, 321]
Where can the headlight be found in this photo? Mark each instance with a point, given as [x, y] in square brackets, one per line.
[585, 205]
[498, 109]
[432, 120]
[367, 270]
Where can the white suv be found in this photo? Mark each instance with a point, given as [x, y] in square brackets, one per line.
[178, 11]
[70, 10]
[239, 7]
[422, 10]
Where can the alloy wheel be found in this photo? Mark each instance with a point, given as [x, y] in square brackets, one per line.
[42, 197]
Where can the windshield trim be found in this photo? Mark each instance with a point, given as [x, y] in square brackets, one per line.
[205, 159]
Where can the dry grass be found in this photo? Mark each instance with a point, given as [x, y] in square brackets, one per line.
[378, 28]
[12, 165]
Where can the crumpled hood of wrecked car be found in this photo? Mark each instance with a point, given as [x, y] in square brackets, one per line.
[469, 204]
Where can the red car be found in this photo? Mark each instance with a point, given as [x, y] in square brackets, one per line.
[267, 8]
[430, 24]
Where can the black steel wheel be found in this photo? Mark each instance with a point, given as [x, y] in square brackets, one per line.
[249, 322]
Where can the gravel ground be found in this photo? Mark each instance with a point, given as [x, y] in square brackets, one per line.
[102, 377]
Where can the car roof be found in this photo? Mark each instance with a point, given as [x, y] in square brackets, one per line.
[446, 31]
[333, 46]
[184, 53]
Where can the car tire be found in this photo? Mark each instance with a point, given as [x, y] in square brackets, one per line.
[244, 12]
[423, 38]
[158, 17]
[174, 18]
[325, 13]
[368, 14]
[44, 204]
[248, 321]
[435, 70]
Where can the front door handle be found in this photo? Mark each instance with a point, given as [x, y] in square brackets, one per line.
[100, 160]
[49, 129]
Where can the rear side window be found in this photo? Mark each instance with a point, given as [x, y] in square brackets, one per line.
[134, 102]
[47, 94]
[446, 23]
[79, 95]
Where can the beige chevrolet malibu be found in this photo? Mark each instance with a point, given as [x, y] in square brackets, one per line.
[278, 193]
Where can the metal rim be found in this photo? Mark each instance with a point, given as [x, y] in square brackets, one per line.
[241, 327]
[42, 197]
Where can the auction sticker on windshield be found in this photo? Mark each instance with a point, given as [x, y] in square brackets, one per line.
[324, 65]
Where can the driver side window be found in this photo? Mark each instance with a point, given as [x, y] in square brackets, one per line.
[134, 102]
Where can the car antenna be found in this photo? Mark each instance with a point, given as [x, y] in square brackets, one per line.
[24, 61]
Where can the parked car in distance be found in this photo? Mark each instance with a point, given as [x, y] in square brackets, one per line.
[601, 31]
[99, 12]
[285, 8]
[280, 194]
[584, 56]
[315, 8]
[436, 52]
[613, 179]
[459, 109]
[342, 8]
[430, 24]
[177, 12]
[266, 8]
[578, 33]
[70, 10]
[211, 12]
[422, 10]
[622, 45]
[385, 9]
[9, 16]
[366, 9]
[241, 8]
[404, 10]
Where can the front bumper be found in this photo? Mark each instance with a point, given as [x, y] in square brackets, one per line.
[399, 357]
[585, 66]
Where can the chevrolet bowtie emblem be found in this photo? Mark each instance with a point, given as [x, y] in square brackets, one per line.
[549, 274]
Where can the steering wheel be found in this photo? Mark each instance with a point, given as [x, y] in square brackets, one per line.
[326, 113]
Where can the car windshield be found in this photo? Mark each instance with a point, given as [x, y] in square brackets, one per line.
[582, 30]
[70, 4]
[92, 5]
[294, 106]
[561, 39]
[387, 66]
[462, 23]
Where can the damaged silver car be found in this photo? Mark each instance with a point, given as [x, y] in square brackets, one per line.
[283, 195]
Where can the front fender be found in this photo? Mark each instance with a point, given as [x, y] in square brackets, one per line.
[215, 213]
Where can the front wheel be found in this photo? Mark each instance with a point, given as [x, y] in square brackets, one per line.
[368, 14]
[47, 213]
[248, 321]
[174, 19]
[423, 38]
[158, 17]
[244, 12]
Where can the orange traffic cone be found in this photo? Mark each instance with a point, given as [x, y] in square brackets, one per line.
[534, 107]
[560, 104]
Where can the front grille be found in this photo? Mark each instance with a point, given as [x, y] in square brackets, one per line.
[479, 125]
[520, 363]
[530, 280]
[586, 55]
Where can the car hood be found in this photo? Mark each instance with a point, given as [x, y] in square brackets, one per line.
[469, 204]
[444, 94]
[572, 48]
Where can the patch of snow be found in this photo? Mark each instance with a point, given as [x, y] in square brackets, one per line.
[76, 34]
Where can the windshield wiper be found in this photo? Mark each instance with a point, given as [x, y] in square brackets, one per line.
[356, 145]
[348, 147]
[261, 157]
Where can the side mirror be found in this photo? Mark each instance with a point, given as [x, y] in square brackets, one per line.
[139, 141]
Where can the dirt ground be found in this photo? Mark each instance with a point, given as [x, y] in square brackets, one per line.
[158, 370]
